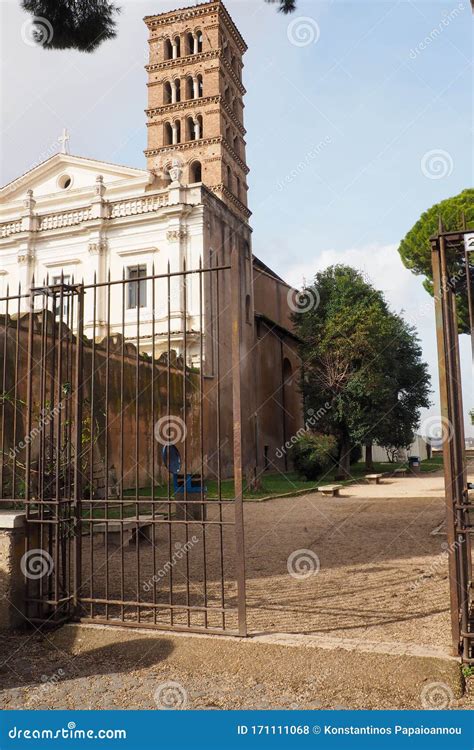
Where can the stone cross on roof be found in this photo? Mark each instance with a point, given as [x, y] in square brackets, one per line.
[64, 141]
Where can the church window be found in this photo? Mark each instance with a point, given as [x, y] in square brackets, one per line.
[189, 43]
[136, 288]
[57, 281]
[200, 86]
[167, 93]
[168, 134]
[177, 47]
[168, 49]
[189, 88]
[64, 181]
[196, 172]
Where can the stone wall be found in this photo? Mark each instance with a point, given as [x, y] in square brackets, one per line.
[109, 404]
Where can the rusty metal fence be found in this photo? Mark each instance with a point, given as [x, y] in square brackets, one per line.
[120, 420]
[453, 269]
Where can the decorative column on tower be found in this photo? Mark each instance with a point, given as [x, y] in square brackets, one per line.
[97, 266]
[26, 255]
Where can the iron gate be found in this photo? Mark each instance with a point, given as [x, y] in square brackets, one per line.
[101, 384]
[453, 278]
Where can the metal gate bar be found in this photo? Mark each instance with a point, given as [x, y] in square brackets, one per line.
[451, 276]
[107, 364]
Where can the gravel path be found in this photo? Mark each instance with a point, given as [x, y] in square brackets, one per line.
[377, 573]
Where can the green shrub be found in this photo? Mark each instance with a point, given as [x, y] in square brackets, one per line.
[312, 453]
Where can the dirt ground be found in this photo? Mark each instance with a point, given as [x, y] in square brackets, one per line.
[383, 575]
[375, 570]
[366, 567]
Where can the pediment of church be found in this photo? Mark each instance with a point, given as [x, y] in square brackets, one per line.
[62, 177]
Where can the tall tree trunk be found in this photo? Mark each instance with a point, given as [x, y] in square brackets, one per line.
[344, 464]
[369, 461]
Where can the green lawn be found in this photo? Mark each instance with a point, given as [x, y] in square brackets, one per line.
[281, 484]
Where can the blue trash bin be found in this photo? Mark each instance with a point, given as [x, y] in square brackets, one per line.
[187, 488]
[414, 464]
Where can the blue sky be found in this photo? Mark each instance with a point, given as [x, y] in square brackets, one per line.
[359, 117]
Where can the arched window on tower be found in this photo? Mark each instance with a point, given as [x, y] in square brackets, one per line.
[168, 49]
[168, 134]
[200, 86]
[237, 187]
[177, 89]
[199, 41]
[189, 43]
[177, 46]
[189, 88]
[199, 127]
[177, 130]
[167, 93]
[194, 128]
[235, 145]
[189, 129]
[195, 172]
[229, 178]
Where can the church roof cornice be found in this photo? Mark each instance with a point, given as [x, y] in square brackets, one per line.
[66, 159]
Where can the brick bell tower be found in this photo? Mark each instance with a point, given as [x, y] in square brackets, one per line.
[195, 100]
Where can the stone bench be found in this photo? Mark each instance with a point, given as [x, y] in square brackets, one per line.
[400, 472]
[132, 527]
[374, 478]
[330, 490]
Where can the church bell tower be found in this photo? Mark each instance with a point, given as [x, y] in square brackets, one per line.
[195, 100]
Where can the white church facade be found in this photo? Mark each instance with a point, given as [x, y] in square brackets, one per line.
[87, 221]
[72, 218]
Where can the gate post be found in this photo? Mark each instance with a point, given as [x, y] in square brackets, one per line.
[77, 496]
[236, 314]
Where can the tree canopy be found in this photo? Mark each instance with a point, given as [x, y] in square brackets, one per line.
[415, 248]
[285, 6]
[84, 25]
[72, 25]
[362, 359]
